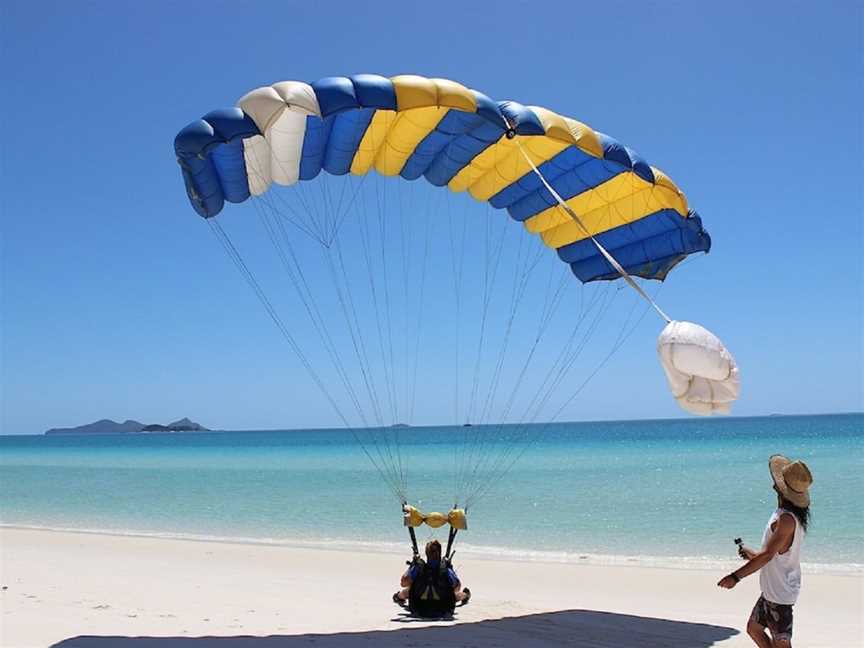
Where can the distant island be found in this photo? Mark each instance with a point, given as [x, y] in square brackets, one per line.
[107, 426]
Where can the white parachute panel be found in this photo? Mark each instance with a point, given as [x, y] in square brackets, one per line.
[256, 153]
[285, 137]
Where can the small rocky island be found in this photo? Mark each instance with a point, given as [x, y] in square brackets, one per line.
[107, 426]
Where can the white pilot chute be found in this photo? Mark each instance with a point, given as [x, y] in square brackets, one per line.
[702, 374]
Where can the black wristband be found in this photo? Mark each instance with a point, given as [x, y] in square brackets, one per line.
[735, 577]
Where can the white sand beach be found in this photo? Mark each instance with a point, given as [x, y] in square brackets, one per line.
[78, 590]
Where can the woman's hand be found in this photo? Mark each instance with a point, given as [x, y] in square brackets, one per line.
[727, 582]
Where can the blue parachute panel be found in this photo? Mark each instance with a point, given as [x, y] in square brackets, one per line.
[345, 137]
[315, 145]
[647, 248]
[230, 166]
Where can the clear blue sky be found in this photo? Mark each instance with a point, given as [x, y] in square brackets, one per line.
[118, 303]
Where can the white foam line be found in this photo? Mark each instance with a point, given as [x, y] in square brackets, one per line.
[482, 552]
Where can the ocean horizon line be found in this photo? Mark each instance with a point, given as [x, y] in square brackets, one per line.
[678, 419]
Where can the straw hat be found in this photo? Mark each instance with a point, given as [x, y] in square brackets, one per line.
[792, 479]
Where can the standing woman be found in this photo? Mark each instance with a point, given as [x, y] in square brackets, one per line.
[779, 557]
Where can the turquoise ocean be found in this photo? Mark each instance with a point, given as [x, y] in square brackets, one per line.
[661, 492]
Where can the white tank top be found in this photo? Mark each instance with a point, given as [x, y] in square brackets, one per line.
[780, 579]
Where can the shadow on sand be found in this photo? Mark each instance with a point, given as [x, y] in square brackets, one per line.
[584, 628]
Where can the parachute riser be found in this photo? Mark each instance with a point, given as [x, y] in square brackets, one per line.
[451, 537]
[414, 547]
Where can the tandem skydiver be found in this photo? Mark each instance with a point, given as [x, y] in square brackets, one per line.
[431, 588]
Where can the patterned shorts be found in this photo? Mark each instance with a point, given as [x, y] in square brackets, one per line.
[774, 616]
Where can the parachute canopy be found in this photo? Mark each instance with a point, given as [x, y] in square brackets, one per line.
[397, 286]
[410, 126]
